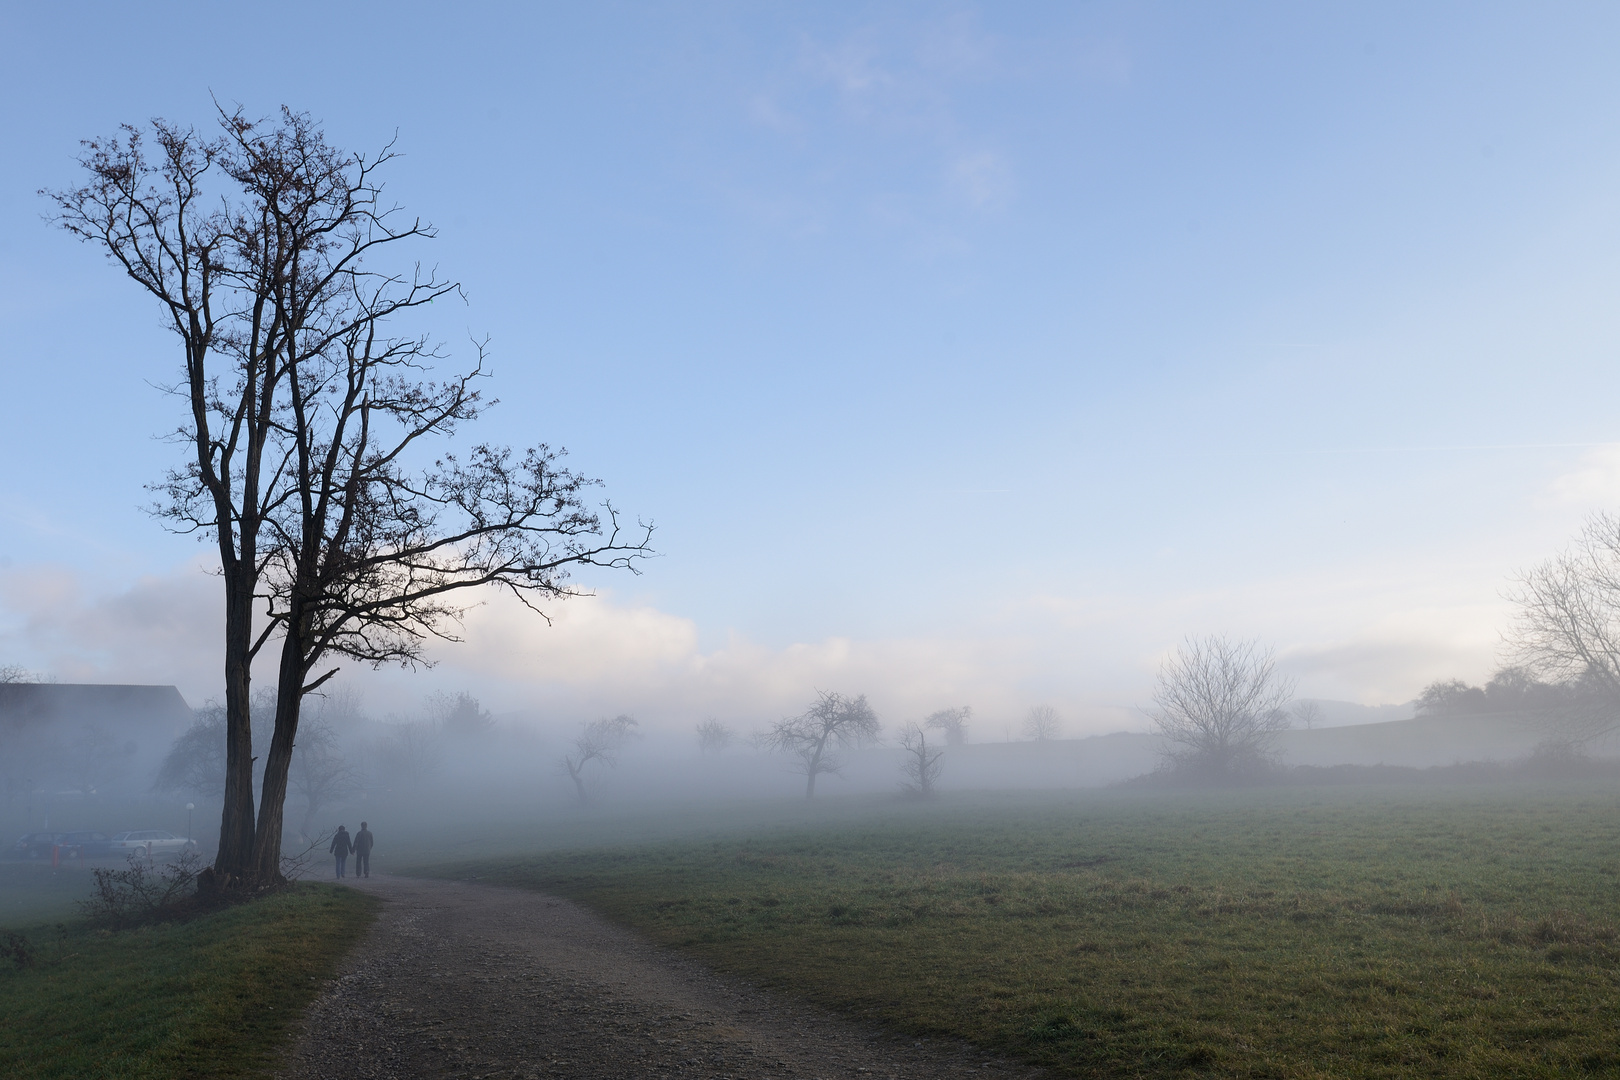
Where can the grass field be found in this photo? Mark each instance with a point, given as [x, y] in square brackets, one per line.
[1466, 932]
[215, 996]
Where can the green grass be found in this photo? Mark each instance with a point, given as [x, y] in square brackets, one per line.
[33, 891]
[1467, 932]
[214, 996]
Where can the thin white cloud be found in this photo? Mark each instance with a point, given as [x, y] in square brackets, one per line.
[1595, 482]
[161, 629]
[984, 179]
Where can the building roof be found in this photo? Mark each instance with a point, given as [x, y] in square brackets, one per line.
[116, 705]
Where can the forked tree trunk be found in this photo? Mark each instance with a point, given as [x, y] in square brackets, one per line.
[266, 868]
[812, 766]
[579, 781]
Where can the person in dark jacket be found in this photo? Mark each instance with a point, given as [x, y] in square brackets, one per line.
[362, 852]
[341, 846]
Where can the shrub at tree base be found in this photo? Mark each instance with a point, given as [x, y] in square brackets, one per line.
[142, 891]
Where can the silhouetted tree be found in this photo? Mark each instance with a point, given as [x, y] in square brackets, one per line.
[1042, 722]
[952, 722]
[1219, 706]
[817, 737]
[195, 763]
[713, 736]
[320, 775]
[408, 753]
[459, 714]
[599, 741]
[922, 763]
[1308, 713]
[304, 408]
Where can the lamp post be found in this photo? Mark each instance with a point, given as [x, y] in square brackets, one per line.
[189, 808]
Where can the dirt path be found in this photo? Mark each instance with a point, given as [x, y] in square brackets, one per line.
[459, 979]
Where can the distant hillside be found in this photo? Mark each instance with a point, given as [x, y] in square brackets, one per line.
[1345, 713]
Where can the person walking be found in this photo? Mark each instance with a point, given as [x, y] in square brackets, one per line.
[341, 846]
[362, 851]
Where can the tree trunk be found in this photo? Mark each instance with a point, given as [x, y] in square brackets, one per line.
[813, 765]
[266, 869]
[233, 862]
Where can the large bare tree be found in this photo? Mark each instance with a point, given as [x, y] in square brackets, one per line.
[1566, 635]
[309, 418]
[818, 737]
[1219, 706]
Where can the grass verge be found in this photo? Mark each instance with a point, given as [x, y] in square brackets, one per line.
[1302, 933]
[213, 996]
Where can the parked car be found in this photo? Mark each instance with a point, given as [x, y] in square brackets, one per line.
[152, 842]
[36, 845]
[86, 844]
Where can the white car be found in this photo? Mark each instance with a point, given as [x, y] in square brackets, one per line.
[149, 842]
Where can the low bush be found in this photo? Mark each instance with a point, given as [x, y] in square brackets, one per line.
[142, 890]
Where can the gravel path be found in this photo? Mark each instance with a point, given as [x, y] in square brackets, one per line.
[458, 979]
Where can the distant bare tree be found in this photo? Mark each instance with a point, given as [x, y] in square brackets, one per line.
[1220, 705]
[340, 707]
[1308, 713]
[599, 741]
[922, 764]
[409, 753]
[953, 722]
[459, 714]
[1042, 723]
[320, 774]
[195, 763]
[817, 737]
[15, 673]
[713, 736]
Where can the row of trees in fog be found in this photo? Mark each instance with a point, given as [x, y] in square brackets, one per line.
[1562, 648]
[1219, 704]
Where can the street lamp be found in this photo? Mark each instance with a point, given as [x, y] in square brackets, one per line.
[189, 808]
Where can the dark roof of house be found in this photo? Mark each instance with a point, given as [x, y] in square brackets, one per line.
[112, 704]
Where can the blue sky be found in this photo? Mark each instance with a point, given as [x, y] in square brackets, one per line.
[959, 352]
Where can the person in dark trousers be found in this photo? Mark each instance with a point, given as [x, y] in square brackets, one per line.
[362, 852]
[341, 846]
